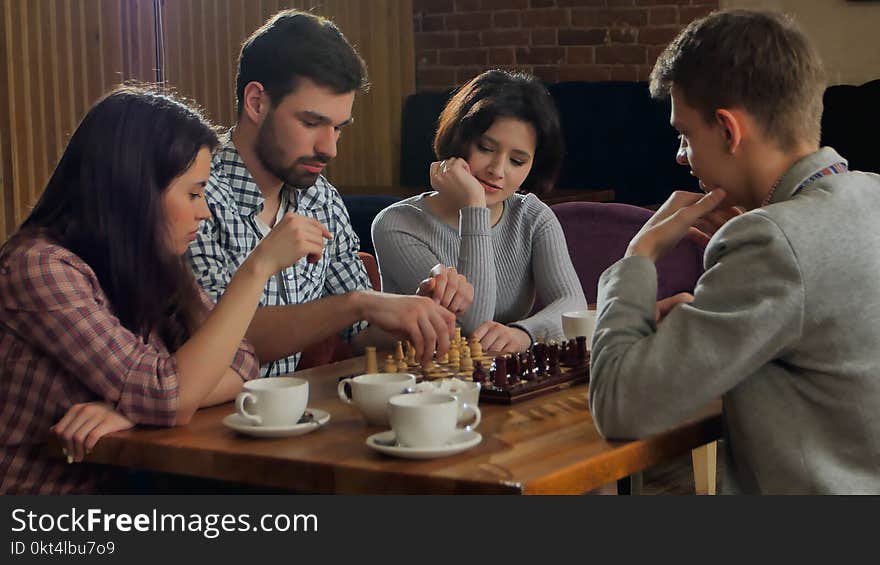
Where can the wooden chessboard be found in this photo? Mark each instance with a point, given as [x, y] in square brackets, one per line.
[524, 387]
[568, 376]
[523, 381]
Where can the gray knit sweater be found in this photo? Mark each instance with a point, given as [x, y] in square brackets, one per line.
[521, 256]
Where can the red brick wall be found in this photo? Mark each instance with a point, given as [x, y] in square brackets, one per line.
[558, 40]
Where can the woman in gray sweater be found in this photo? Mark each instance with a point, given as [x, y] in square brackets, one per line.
[499, 133]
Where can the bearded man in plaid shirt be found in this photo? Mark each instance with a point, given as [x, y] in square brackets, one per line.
[297, 79]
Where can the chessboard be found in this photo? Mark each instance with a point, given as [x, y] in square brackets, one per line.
[505, 378]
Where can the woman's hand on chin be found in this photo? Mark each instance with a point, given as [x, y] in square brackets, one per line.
[453, 179]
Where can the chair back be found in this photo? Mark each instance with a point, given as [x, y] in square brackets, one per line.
[333, 348]
[372, 267]
[597, 235]
[362, 209]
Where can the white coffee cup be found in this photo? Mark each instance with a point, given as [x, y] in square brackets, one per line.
[273, 401]
[582, 322]
[467, 393]
[370, 393]
[427, 419]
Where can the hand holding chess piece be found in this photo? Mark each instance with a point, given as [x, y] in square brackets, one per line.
[418, 318]
[292, 238]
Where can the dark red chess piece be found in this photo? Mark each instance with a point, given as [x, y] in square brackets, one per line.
[530, 361]
[525, 371]
[553, 359]
[541, 358]
[581, 349]
[565, 352]
[513, 368]
[500, 377]
[479, 374]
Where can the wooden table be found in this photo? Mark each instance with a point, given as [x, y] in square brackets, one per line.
[546, 445]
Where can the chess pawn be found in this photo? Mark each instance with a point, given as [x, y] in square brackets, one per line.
[372, 364]
[402, 367]
[465, 351]
[390, 364]
[434, 371]
[476, 349]
[454, 356]
[410, 354]
[444, 359]
[466, 365]
[398, 352]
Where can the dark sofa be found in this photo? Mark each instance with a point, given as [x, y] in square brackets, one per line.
[618, 138]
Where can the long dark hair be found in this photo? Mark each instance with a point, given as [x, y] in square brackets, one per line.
[104, 203]
[503, 94]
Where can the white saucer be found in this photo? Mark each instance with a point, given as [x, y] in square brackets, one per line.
[386, 442]
[236, 422]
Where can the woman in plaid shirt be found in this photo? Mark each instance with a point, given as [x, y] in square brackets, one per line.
[101, 323]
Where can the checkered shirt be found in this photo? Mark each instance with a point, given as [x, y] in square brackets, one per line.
[231, 234]
[60, 345]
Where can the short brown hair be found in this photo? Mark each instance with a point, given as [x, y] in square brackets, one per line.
[760, 61]
[503, 94]
[294, 44]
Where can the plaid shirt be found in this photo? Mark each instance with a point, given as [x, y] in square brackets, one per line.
[228, 237]
[61, 345]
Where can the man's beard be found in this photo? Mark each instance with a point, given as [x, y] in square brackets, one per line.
[271, 155]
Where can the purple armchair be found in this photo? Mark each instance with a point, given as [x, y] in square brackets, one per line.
[597, 235]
